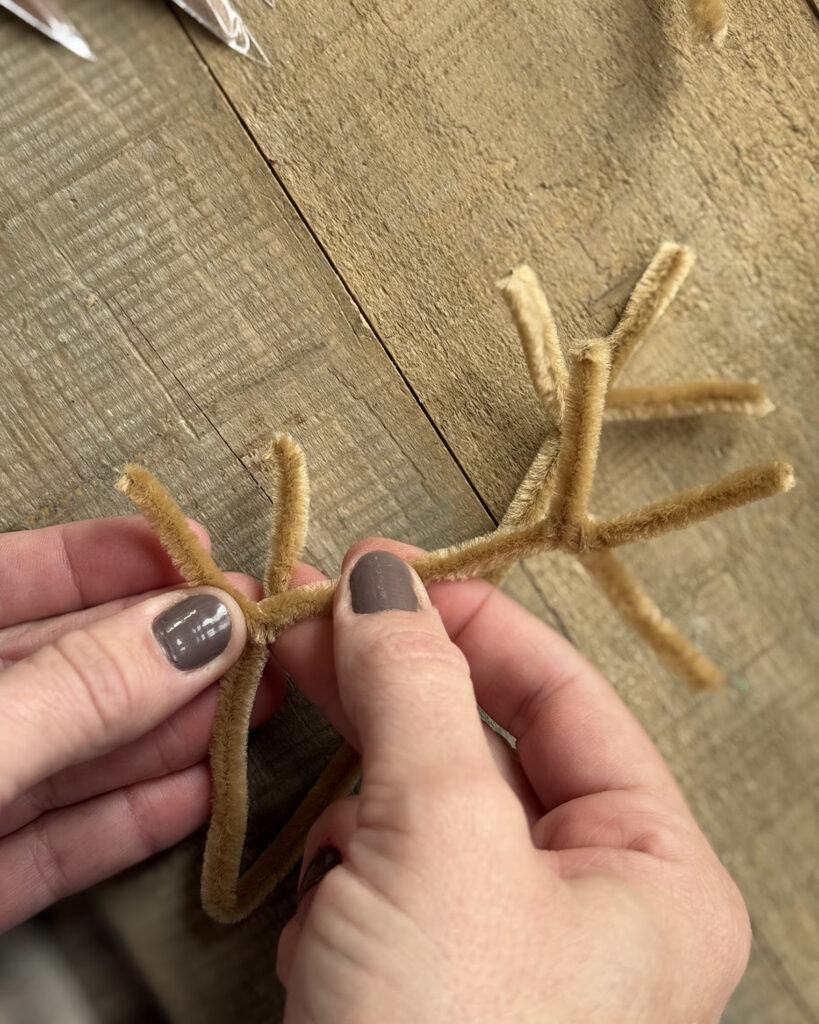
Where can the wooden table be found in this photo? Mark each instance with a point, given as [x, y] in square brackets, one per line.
[196, 251]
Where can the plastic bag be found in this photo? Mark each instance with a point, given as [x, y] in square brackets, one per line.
[50, 20]
[218, 16]
[222, 19]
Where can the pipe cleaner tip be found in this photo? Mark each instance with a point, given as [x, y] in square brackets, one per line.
[785, 476]
[283, 439]
[710, 20]
[520, 272]
[718, 38]
[711, 678]
[280, 445]
[124, 482]
[131, 476]
[686, 256]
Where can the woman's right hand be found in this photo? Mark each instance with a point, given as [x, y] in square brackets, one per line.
[566, 883]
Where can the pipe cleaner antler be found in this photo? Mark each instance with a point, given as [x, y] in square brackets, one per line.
[549, 512]
[543, 483]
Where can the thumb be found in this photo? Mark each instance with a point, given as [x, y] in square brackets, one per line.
[96, 688]
[404, 686]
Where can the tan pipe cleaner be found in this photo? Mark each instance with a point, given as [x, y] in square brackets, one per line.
[549, 512]
[709, 20]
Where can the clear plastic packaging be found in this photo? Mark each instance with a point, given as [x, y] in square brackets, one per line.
[222, 19]
[50, 20]
[218, 16]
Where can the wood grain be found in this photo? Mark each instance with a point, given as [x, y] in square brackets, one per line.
[164, 292]
[162, 298]
[429, 154]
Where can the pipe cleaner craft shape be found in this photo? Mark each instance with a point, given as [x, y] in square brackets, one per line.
[549, 512]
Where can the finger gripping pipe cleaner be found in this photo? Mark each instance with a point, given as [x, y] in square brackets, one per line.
[549, 512]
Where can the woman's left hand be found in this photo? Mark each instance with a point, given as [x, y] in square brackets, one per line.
[106, 704]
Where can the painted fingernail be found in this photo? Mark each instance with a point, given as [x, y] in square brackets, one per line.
[194, 631]
[381, 582]
[325, 859]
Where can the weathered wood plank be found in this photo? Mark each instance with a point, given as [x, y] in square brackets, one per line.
[430, 153]
[766, 994]
[161, 297]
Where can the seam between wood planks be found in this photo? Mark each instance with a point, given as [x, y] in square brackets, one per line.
[337, 273]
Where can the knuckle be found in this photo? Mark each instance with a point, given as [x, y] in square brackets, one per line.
[467, 801]
[649, 826]
[442, 804]
[141, 812]
[45, 796]
[732, 927]
[723, 941]
[170, 745]
[98, 675]
[47, 862]
[415, 647]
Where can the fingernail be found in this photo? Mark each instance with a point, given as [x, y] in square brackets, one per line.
[325, 859]
[381, 582]
[194, 631]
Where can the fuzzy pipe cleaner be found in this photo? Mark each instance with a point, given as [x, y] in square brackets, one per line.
[549, 512]
[709, 19]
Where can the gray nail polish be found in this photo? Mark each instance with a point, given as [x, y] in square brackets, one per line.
[326, 858]
[194, 631]
[381, 582]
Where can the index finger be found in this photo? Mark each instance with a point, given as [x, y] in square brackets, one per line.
[65, 568]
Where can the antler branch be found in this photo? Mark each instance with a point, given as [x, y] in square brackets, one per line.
[693, 398]
[694, 505]
[649, 300]
[168, 522]
[637, 608]
[538, 335]
[292, 514]
[580, 439]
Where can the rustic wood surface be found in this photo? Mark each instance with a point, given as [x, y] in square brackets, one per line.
[196, 251]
